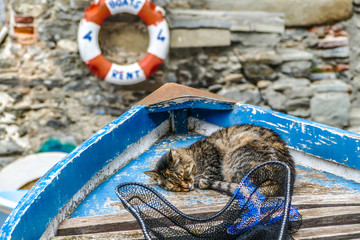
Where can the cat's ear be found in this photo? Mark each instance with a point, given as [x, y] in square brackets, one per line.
[175, 156]
[154, 175]
[220, 145]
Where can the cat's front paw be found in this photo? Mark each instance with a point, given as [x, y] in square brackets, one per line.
[204, 183]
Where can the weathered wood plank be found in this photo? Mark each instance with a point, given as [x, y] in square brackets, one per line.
[329, 232]
[123, 235]
[315, 217]
[97, 224]
[186, 38]
[315, 210]
[317, 201]
[121, 221]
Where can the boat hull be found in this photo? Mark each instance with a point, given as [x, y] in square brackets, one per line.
[60, 192]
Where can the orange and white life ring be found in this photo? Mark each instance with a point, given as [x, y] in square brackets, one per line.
[90, 51]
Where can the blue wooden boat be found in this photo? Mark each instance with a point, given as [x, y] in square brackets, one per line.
[76, 198]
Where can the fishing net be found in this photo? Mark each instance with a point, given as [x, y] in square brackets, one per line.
[247, 215]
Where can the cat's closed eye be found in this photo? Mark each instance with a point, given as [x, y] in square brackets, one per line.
[180, 172]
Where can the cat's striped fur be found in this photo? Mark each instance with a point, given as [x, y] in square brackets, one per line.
[221, 160]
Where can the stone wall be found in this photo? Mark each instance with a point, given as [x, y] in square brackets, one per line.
[310, 71]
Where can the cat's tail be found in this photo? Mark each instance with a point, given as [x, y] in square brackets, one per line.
[224, 187]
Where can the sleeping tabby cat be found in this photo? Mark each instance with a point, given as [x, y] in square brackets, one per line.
[221, 160]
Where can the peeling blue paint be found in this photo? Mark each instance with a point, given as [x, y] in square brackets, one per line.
[191, 103]
[44, 201]
[328, 180]
[97, 202]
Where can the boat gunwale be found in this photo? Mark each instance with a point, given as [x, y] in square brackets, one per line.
[241, 113]
[36, 198]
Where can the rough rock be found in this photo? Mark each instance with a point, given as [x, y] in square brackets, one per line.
[10, 142]
[340, 52]
[275, 99]
[255, 72]
[5, 101]
[331, 86]
[233, 77]
[298, 103]
[290, 54]
[331, 108]
[246, 93]
[9, 147]
[262, 84]
[188, 38]
[300, 112]
[32, 8]
[52, 31]
[258, 56]
[306, 12]
[236, 21]
[288, 93]
[67, 45]
[300, 91]
[321, 76]
[290, 83]
[332, 42]
[354, 117]
[356, 81]
[296, 68]
[255, 39]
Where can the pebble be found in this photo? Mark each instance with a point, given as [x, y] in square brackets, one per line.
[219, 66]
[233, 77]
[215, 88]
[262, 84]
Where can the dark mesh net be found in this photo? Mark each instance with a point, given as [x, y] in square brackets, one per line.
[247, 215]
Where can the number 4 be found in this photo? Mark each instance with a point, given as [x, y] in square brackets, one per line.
[159, 37]
[88, 36]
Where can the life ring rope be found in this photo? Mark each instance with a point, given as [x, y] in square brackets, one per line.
[90, 51]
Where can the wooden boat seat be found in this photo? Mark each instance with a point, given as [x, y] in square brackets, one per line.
[323, 216]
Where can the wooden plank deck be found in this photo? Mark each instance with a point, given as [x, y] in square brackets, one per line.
[324, 217]
[324, 200]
